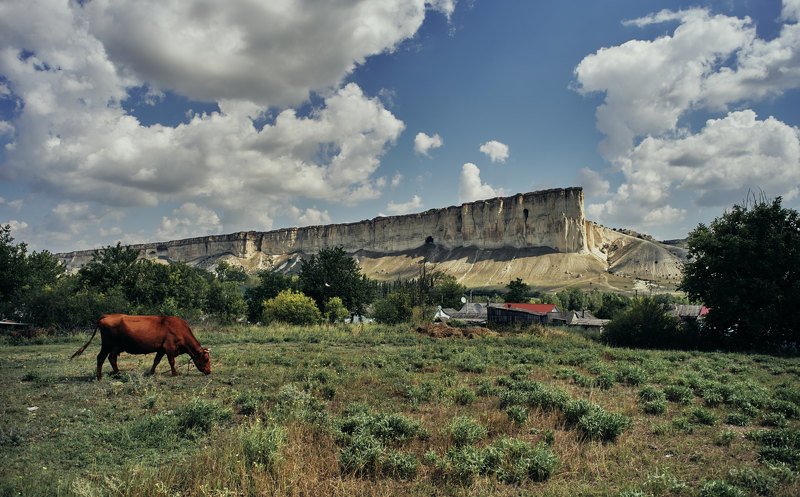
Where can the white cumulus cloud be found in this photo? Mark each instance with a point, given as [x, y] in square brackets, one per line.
[495, 150]
[189, 220]
[412, 205]
[710, 62]
[471, 187]
[424, 143]
[310, 216]
[72, 64]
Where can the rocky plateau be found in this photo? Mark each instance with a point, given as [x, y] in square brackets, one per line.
[542, 237]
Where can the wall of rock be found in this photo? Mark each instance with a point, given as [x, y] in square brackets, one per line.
[552, 219]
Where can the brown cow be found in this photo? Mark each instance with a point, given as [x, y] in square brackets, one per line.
[164, 335]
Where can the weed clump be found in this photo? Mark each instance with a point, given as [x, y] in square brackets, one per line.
[464, 430]
[779, 446]
[602, 425]
[367, 439]
[720, 488]
[653, 400]
[261, 445]
[679, 393]
[198, 416]
[509, 460]
[464, 396]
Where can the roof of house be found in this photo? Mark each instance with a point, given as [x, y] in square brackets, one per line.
[689, 311]
[471, 310]
[535, 308]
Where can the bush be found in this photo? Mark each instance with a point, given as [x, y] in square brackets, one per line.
[365, 435]
[679, 394]
[395, 308]
[262, 445]
[467, 362]
[704, 416]
[645, 324]
[720, 488]
[517, 414]
[199, 415]
[465, 431]
[464, 396]
[780, 446]
[519, 461]
[653, 400]
[602, 425]
[737, 419]
[291, 307]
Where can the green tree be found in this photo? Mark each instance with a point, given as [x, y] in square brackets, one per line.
[270, 284]
[612, 304]
[395, 308]
[335, 311]
[517, 291]
[333, 273]
[291, 307]
[110, 267]
[227, 272]
[745, 266]
[645, 324]
[225, 300]
[12, 272]
[447, 292]
[573, 299]
[24, 277]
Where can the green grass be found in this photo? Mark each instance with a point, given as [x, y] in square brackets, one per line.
[334, 410]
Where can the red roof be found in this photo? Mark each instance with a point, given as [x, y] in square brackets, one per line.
[538, 308]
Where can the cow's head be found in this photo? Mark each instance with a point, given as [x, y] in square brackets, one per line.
[203, 361]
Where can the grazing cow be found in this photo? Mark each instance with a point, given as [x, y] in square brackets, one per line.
[164, 335]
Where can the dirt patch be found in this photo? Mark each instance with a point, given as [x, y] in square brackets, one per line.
[442, 330]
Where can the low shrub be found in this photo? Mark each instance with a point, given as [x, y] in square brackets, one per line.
[464, 430]
[652, 400]
[703, 416]
[599, 424]
[468, 362]
[720, 488]
[779, 446]
[261, 445]
[509, 460]
[737, 419]
[517, 461]
[517, 414]
[760, 480]
[631, 374]
[199, 415]
[724, 438]
[464, 396]
[679, 394]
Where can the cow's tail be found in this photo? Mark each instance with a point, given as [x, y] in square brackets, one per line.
[80, 350]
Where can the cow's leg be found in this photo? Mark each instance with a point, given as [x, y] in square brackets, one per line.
[159, 355]
[101, 358]
[171, 359]
[112, 358]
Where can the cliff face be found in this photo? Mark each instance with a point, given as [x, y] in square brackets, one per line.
[552, 219]
[541, 237]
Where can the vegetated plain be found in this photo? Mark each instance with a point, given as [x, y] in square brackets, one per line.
[378, 410]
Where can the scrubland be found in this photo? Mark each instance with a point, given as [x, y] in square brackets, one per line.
[376, 410]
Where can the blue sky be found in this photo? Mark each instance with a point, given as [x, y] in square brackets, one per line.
[153, 120]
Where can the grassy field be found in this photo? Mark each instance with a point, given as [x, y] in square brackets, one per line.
[383, 411]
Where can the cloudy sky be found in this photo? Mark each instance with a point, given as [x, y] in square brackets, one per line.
[160, 119]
